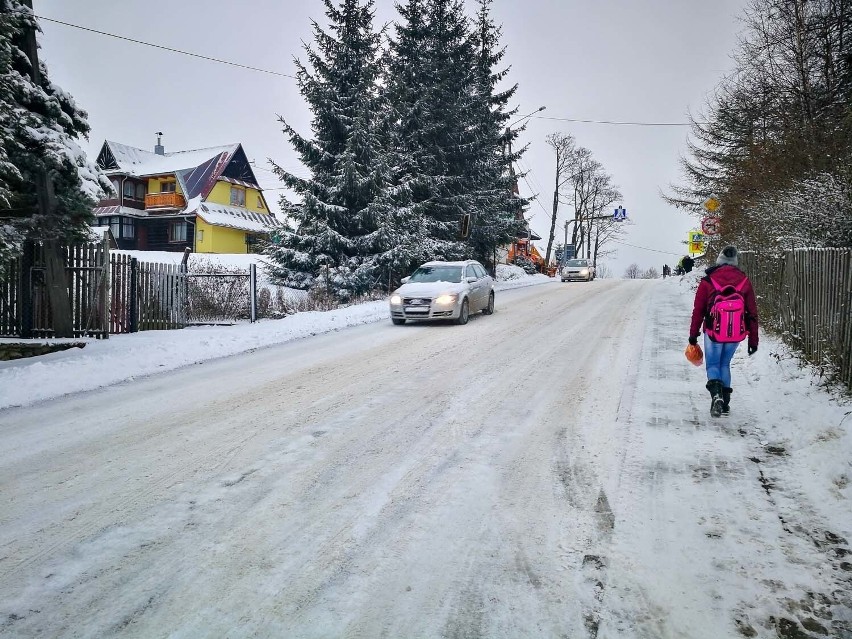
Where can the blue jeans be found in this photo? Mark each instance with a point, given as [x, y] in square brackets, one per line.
[717, 358]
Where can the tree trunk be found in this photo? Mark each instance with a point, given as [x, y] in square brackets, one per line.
[57, 289]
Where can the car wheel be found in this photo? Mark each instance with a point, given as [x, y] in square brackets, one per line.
[464, 315]
[398, 321]
[489, 310]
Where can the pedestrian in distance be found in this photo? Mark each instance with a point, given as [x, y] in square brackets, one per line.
[688, 264]
[726, 309]
[665, 270]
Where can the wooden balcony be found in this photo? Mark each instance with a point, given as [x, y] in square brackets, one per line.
[164, 201]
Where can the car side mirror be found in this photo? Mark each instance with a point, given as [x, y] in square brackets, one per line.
[405, 279]
[471, 280]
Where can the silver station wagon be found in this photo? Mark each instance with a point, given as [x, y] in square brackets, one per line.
[443, 291]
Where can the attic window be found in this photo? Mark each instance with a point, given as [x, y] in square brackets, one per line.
[259, 202]
[238, 196]
[167, 187]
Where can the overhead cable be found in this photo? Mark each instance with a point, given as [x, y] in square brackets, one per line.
[542, 117]
[165, 48]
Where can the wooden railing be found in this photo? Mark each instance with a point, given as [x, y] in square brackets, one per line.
[164, 200]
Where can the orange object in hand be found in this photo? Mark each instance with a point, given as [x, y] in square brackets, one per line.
[694, 354]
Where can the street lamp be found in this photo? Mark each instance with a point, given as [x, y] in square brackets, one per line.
[528, 115]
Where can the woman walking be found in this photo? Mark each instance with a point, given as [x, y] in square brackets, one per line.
[726, 309]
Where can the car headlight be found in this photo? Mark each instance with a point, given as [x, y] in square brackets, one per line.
[585, 271]
[446, 299]
[395, 299]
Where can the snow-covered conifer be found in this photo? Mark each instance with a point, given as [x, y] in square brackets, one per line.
[331, 245]
[39, 128]
[497, 210]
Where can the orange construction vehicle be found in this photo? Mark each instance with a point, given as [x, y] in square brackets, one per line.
[522, 250]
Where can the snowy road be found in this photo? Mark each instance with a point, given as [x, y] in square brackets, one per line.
[542, 472]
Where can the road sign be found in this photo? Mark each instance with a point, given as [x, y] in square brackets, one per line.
[697, 243]
[712, 204]
[710, 225]
[620, 214]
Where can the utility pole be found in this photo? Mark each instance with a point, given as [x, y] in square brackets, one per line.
[57, 284]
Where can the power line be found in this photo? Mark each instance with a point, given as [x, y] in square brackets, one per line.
[542, 117]
[165, 48]
[645, 248]
[286, 75]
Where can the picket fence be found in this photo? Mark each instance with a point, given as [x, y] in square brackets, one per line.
[116, 293]
[805, 295]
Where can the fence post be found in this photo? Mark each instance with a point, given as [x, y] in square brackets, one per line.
[134, 302]
[26, 290]
[253, 291]
[106, 285]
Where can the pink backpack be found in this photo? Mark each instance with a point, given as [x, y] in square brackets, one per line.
[727, 313]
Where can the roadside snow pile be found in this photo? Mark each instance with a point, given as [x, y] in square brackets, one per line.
[511, 276]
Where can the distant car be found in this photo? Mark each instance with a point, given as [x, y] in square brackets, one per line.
[578, 270]
[443, 291]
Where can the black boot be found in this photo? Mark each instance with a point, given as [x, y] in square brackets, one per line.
[714, 386]
[726, 400]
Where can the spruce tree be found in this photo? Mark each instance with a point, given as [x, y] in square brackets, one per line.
[39, 128]
[336, 225]
[429, 91]
[497, 218]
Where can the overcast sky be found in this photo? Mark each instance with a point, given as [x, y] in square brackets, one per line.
[616, 60]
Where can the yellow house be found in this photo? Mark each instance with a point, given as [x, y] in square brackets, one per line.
[206, 199]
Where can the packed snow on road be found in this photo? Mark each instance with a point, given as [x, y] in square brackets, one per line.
[551, 470]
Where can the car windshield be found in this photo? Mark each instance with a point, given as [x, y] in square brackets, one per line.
[437, 274]
[577, 263]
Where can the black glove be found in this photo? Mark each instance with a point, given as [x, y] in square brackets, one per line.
[693, 340]
[752, 349]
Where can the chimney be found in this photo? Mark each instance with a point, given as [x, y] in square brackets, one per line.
[159, 149]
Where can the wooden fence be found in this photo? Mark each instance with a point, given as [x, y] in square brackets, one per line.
[25, 304]
[146, 295]
[805, 295]
[116, 293]
[107, 293]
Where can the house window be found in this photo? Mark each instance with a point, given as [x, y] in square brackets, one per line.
[129, 189]
[200, 234]
[238, 196]
[177, 231]
[167, 187]
[116, 186]
[140, 191]
[127, 228]
[259, 202]
[114, 226]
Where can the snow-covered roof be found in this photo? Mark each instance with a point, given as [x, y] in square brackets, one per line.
[235, 218]
[140, 162]
[119, 210]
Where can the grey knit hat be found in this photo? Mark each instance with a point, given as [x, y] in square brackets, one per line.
[729, 255]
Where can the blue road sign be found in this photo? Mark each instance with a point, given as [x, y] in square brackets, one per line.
[620, 214]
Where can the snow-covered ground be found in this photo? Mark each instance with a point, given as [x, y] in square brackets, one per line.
[550, 470]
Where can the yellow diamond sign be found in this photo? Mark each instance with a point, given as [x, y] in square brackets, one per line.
[712, 204]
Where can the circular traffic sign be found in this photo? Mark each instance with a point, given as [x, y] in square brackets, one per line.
[710, 225]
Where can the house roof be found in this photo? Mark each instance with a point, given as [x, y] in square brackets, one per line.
[115, 156]
[234, 217]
